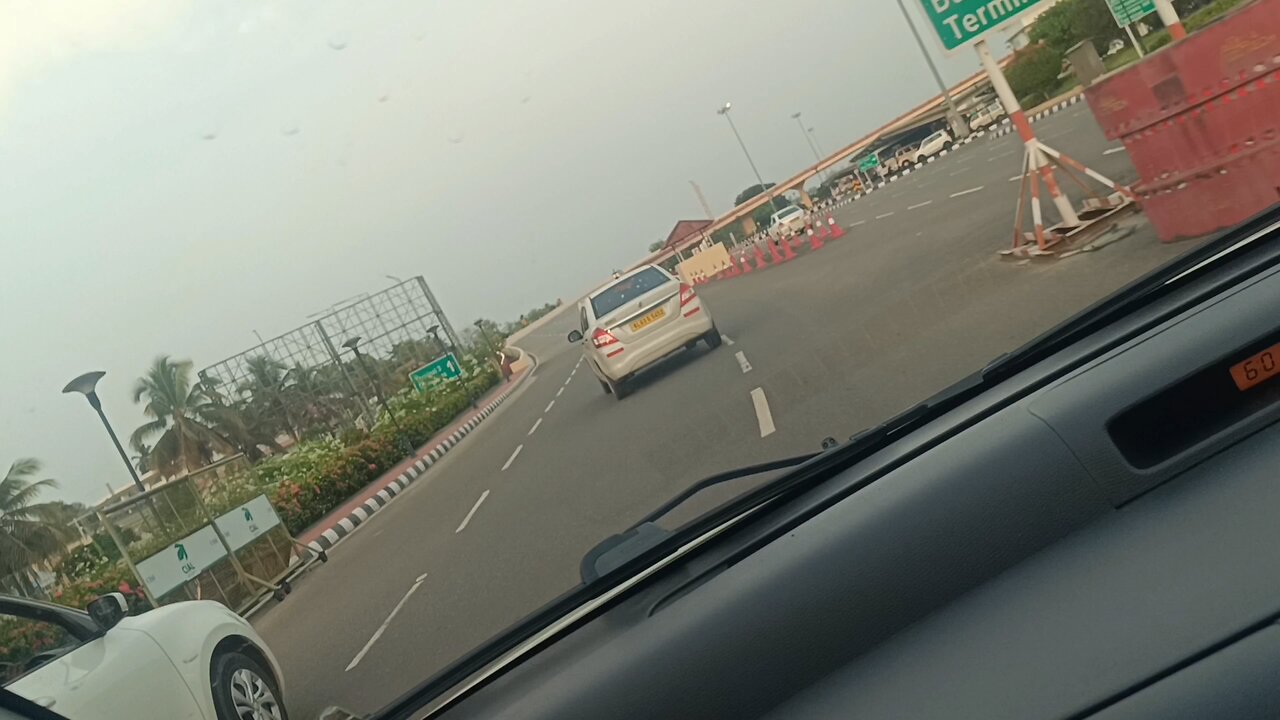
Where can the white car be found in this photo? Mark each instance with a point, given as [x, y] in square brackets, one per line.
[933, 145]
[189, 660]
[787, 221]
[637, 320]
[986, 116]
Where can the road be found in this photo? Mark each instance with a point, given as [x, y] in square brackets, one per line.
[911, 299]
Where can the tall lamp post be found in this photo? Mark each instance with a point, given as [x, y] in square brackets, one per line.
[808, 137]
[87, 385]
[958, 126]
[725, 112]
[354, 346]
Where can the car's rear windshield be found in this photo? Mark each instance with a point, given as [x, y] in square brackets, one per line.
[626, 289]
[786, 212]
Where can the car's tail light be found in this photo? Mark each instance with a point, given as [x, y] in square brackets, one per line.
[602, 337]
[686, 294]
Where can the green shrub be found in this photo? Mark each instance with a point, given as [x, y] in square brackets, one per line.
[1033, 72]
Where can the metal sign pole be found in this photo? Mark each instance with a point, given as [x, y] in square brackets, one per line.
[1134, 39]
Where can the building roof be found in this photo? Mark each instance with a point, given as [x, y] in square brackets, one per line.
[684, 230]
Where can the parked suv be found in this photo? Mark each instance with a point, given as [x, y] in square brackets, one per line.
[933, 145]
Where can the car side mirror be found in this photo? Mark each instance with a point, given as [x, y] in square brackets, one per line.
[108, 610]
[575, 336]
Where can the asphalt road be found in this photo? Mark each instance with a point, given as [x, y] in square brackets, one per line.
[911, 299]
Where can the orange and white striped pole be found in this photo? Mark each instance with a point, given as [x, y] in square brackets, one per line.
[1019, 118]
[1169, 16]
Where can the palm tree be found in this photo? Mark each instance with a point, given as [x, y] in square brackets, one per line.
[267, 384]
[29, 531]
[181, 418]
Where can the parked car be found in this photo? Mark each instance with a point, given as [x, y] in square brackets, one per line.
[904, 156]
[186, 661]
[636, 321]
[988, 115]
[933, 145]
[786, 221]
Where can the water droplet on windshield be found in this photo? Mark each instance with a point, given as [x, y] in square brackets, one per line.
[289, 129]
[383, 98]
[210, 135]
[338, 41]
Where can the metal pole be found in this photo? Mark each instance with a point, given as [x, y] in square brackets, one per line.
[128, 560]
[96, 404]
[725, 112]
[1134, 39]
[377, 391]
[958, 126]
[812, 147]
[1170, 18]
[342, 368]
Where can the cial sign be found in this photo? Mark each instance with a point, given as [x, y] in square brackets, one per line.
[960, 22]
[181, 561]
[248, 522]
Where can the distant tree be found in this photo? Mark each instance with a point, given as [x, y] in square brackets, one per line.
[180, 418]
[1071, 21]
[751, 192]
[655, 246]
[1033, 72]
[29, 531]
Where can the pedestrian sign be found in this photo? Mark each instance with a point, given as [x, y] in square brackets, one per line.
[960, 22]
[439, 370]
[1127, 12]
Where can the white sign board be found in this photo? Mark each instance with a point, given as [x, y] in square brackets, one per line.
[248, 522]
[181, 561]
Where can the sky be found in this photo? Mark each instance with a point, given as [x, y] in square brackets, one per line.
[175, 174]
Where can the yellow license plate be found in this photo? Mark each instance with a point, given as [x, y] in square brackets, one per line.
[649, 319]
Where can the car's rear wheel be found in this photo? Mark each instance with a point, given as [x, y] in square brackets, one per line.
[618, 388]
[607, 390]
[243, 690]
[713, 337]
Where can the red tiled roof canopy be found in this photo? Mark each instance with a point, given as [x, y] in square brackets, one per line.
[684, 230]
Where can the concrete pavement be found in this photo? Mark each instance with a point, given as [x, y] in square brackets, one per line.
[910, 300]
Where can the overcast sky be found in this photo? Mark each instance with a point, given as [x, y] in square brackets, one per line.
[178, 173]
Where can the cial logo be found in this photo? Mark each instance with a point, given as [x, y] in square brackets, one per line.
[248, 518]
[185, 563]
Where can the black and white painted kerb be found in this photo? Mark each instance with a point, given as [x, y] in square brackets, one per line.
[345, 526]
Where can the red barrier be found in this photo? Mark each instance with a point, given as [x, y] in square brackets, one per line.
[760, 263]
[774, 255]
[1201, 122]
[836, 230]
[788, 252]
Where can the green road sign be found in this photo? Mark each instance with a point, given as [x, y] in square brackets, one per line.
[437, 371]
[1128, 12]
[959, 22]
[870, 162]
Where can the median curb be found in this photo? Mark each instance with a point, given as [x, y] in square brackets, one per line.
[344, 526]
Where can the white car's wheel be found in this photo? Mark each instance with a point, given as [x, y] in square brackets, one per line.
[243, 690]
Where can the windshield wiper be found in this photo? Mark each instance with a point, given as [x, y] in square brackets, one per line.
[645, 534]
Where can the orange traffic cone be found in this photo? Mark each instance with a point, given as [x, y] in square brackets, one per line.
[815, 240]
[822, 229]
[774, 255]
[744, 264]
[760, 263]
[836, 230]
[788, 253]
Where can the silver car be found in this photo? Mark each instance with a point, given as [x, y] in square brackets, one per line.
[637, 320]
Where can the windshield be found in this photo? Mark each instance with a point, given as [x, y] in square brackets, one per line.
[627, 289]
[330, 312]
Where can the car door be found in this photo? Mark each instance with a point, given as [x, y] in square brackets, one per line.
[122, 673]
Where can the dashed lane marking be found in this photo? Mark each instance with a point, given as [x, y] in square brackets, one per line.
[1113, 151]
[919, 205]
[534, 429]
[510, 460]
[471, 513]
[763, 416]
[383, 627]
[881, 217]
[966, 192]
[560, 391]
[549, 406]
[742, 361]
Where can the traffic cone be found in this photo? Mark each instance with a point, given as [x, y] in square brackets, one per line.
[815, 240]
[836, 230]
[822, 230]
[760, 263]
[788, 253]
[732, 270]
[774, 255]
[744, 264]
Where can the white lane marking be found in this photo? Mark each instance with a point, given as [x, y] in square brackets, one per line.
[763, 416]
[742, 361]
[534, 429]
[860, 222]
[959, 172]
[466, 520]
[881, 217]
[966, 192]
[727, 340]
[919, 205]
[994, 158]
[549, 406]
[1114, 150]
[510, 460]
[1015, 178]
[560, 391]
[383, 627]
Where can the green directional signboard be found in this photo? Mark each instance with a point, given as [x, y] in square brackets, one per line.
[869, 163]
[1128, 12]
[959, 22]
[437, 371]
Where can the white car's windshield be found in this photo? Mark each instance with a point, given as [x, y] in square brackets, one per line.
[366, 321]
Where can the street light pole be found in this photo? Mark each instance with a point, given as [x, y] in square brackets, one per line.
[812, 147]
[87, 385]
[725, 112]
[958, 126]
